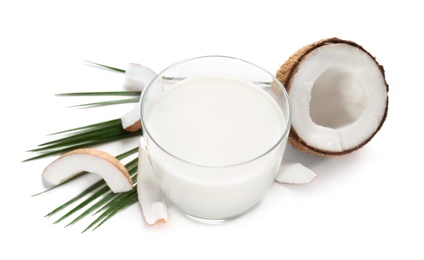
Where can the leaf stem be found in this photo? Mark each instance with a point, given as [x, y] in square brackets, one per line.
[103, 93]
[105, 67]
[108, 103]
[96, 135]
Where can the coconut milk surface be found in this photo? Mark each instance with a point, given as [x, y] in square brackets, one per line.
[215, 121]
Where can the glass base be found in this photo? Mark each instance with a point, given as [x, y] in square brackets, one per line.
[218, 221]
[213, 221]
[207, 221]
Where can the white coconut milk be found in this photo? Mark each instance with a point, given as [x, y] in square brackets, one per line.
[210, 123]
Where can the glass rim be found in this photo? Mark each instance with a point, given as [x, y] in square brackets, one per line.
[280, 85]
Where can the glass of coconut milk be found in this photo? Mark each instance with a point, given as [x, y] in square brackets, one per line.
[215, 128]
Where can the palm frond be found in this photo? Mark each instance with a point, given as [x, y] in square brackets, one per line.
[83, 137]
[105, 66]
[101, 93]
[97, 191]
[108, 103]
[98, 197]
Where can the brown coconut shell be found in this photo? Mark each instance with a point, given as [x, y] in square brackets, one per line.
[288, 71]
[134, 127]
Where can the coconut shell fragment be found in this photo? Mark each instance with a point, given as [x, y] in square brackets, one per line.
[339, 96]
[92, 160]
[294, 173]
[137, 77]
[150, 196]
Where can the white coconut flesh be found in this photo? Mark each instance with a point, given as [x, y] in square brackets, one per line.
[137, 77]
[74, 162]
[131, 121]
[339, 98]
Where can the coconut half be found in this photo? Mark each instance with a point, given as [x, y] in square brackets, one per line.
[339, 97]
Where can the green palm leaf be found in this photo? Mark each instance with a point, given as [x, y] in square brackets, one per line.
[108, 103]
[97, 198]
[102, 191]
[122, 201]
[84, 136]
[103, 93]
[91, 188]
[105, 66]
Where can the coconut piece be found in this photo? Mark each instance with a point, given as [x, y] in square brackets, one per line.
[74, 162]
[131, 121]
[294, 173]
[150, 195]
[137, 77]
[339, 97]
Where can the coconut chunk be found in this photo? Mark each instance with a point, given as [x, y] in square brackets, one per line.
[74, 162]
[137, 77]
[294, 173]
[150, 195]
[339, 97]
[131, 121]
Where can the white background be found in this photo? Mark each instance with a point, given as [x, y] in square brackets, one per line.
[367, 205]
